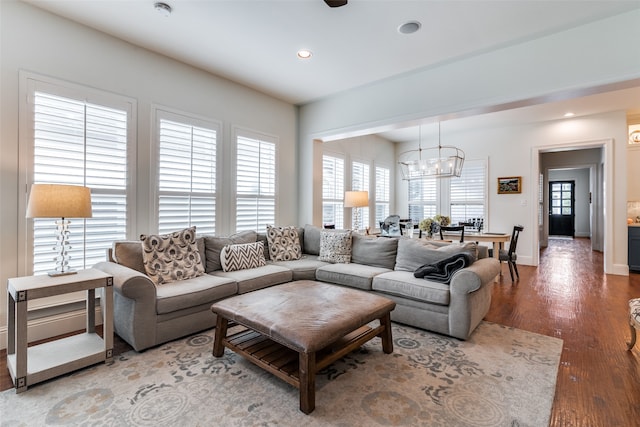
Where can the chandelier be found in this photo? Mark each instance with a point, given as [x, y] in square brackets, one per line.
[438, 162]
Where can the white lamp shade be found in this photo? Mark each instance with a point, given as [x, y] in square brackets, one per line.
[356, 199]
[59, 201]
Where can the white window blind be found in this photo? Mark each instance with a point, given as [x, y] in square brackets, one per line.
[382, 196]
[80, 143]
[333, 191]
[186, 176]
[422, 198]
[467, 193]
[255, 184]
[360, 182]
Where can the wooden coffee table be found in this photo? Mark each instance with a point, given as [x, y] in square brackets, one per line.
[298, 328]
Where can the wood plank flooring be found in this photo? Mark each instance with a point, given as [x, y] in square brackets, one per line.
[568, 297]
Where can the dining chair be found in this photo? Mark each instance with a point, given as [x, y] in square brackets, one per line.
[456, 228]
[509, 255]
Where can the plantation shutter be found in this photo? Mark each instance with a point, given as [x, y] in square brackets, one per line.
[422, 198]
[360, 182]
[333, 191]
[382, 195]
[255, 184]
[187, 177]
[468, 193]
[80, 143]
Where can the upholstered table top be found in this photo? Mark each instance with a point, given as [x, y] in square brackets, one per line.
[304, 315]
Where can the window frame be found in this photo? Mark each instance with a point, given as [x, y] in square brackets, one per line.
[339, 198]
[160, 112]
[240, 132]
[29, 84]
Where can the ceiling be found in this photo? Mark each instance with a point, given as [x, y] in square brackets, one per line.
[254, 42]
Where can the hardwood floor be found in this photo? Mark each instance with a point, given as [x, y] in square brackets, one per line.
[567, 297]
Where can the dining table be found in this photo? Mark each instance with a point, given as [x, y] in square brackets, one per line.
[497, 239]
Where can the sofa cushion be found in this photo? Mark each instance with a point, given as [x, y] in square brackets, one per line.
[352, 275]
[171, 257]
[311, 241]
[129, 254]
[257, 278]
[335, 246]
[303, 268]
[403, 284]
[374, 251]
[284, 243]
[193, 292]
[413, 253]
[242, 256]
[213, 247]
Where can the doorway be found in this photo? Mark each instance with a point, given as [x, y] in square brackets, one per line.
[562, 213]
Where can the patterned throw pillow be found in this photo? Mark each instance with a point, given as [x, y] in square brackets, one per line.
[171, 257]
[284, 243]
[242, 256]
[335, 246]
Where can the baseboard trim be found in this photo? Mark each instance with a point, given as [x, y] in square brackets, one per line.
[51, 326]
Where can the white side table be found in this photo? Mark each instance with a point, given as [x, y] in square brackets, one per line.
[30, 365]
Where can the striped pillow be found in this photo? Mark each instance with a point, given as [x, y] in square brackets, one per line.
[242, 256]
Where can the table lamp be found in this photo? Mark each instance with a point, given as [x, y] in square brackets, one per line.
[60, 201]
[356, 200]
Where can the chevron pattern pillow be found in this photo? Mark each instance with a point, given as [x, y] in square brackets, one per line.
[242, 256]
[171, 257]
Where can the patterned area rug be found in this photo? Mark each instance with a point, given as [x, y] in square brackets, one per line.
[500, 377]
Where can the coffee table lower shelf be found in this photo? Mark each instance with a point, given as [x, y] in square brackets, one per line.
[284, 362]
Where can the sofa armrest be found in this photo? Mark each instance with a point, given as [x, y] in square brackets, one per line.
[128, 282]
[473, 277]
[134, 305]
[471, 289]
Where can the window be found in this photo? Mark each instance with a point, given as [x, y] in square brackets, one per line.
[80, 143]
[422, 198]
[255, 183]
[333, 191]
[467, 193]
[382, 196]
[186, 174]
[360, 182]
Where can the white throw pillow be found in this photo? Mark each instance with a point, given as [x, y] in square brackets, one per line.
[242, 256]
[335, 246]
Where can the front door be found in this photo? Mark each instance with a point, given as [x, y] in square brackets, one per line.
[562, 208]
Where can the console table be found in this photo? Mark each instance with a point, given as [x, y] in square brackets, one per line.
[30, 365]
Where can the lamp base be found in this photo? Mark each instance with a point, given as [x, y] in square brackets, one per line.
[61, 273]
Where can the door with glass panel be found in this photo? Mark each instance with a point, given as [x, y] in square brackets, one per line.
[562, 208]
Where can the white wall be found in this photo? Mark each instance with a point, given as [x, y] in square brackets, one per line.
[39, 42]
[550, 68]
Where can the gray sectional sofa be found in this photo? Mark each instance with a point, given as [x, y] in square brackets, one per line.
[146, 314]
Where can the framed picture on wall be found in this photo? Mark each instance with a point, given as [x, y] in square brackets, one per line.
[510, 185]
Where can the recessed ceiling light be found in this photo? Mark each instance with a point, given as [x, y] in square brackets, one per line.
[304, 54]
[409, 27]
[569, 114]
[163, 9]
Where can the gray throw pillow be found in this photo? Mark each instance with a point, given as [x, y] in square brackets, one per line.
[213, 246]
[311, 243]
[129, 254]
[413, 253]
[374, 251]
